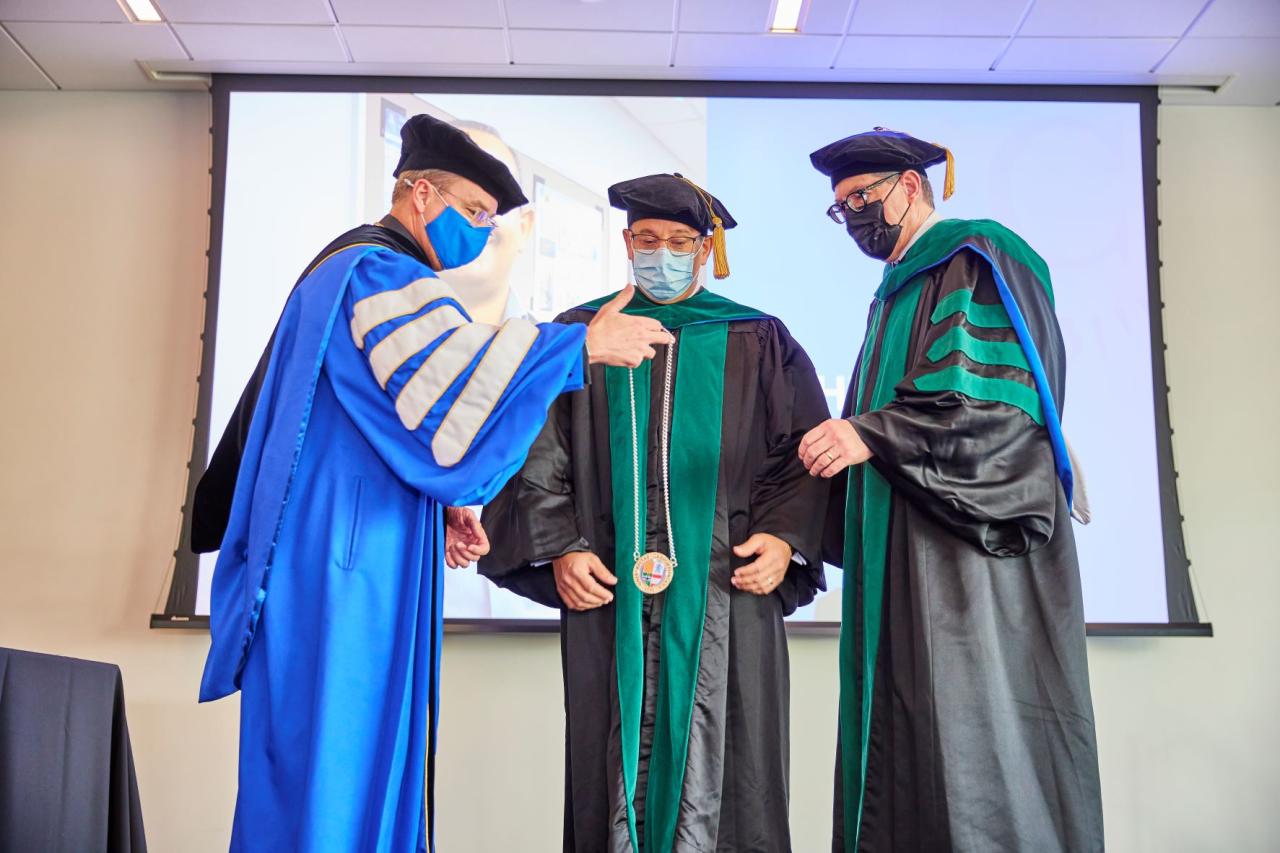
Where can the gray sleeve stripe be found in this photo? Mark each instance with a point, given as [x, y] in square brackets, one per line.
[438, 372]
[398, 347]
[482, 392]
[373, 311]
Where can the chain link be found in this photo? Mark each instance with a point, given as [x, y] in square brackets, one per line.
[666, 455]
[635, 463]
[666, 451]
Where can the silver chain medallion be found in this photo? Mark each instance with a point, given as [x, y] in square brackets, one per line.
[653, 571]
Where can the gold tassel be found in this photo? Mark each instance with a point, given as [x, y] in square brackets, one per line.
[949, 182]
[718, 248]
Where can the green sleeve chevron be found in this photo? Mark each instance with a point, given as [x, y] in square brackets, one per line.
[988, 388]
[977, 314]
[958, 339]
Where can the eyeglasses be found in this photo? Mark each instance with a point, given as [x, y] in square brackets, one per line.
[647, 244]
[856, 201]
[477, 216]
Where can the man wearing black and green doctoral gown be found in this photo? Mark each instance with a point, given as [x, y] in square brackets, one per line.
[965, 716]
[665, 511]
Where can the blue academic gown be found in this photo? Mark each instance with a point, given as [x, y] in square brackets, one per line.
[382, 403]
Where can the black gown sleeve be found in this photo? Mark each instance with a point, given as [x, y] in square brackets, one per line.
[963, 439]
[533, 519]
[211, 503]
[785, 501]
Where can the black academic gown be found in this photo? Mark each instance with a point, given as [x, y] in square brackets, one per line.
[982, 735]
[734, 794]
[211, 505]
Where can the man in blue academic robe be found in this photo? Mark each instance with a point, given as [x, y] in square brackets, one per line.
[380, 410]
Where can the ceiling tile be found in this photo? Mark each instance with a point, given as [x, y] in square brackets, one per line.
[615, 15]
[578, 47]
[1223, 56]
[88, 11]
[755, 51]
[96, 56]
[937, 17]
[752, 16]
[891, 52]
[725, 16]
[1239, 18]
[428, 45]
[826, 16]
[270, 42]
[417, 13]
[17, 71]
[1113, 55]
[1133, 18]
[245, 11]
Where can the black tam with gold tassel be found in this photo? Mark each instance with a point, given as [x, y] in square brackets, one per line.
[883, 150]
[675, 198]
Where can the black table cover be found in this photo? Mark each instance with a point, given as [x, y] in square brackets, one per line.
[67, 781]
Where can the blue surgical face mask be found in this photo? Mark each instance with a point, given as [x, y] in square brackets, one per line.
[456, 241]
[662, 276]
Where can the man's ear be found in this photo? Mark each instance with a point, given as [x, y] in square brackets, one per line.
[428, 193]
[705, 251]
[912, 184]
[527, 218]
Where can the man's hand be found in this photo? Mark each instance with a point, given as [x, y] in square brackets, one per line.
[464, 538]
[623, 340]
[577, 574]
[831, 447]
[762, 576]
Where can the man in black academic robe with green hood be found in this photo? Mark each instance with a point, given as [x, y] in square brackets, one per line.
[965, 716]
[664, 511]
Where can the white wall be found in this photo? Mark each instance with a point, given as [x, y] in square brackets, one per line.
[102, 237]
[1188, 728]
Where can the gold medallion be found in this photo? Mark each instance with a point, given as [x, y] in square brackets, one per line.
[653, 572]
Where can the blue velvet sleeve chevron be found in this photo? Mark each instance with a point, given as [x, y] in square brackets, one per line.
[451, 405]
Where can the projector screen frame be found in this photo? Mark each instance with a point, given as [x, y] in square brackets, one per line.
[1183, 616]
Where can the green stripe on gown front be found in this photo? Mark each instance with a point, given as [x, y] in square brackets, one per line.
[696, 418]
[866, 538]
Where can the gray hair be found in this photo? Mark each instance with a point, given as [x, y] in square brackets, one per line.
[441, 179]
[926, 188]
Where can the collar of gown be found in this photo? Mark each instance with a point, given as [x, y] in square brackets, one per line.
[402, 237]
[932, 220]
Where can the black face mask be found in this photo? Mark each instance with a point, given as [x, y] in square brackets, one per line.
[875, 237]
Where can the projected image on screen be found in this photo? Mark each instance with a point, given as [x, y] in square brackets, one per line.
[1039, 167]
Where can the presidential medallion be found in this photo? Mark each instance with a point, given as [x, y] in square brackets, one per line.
[653, 572]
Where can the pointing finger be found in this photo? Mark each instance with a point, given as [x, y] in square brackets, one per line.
[617, 303]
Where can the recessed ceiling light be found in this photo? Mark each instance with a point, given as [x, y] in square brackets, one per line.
[786, 16]
[143, 11]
